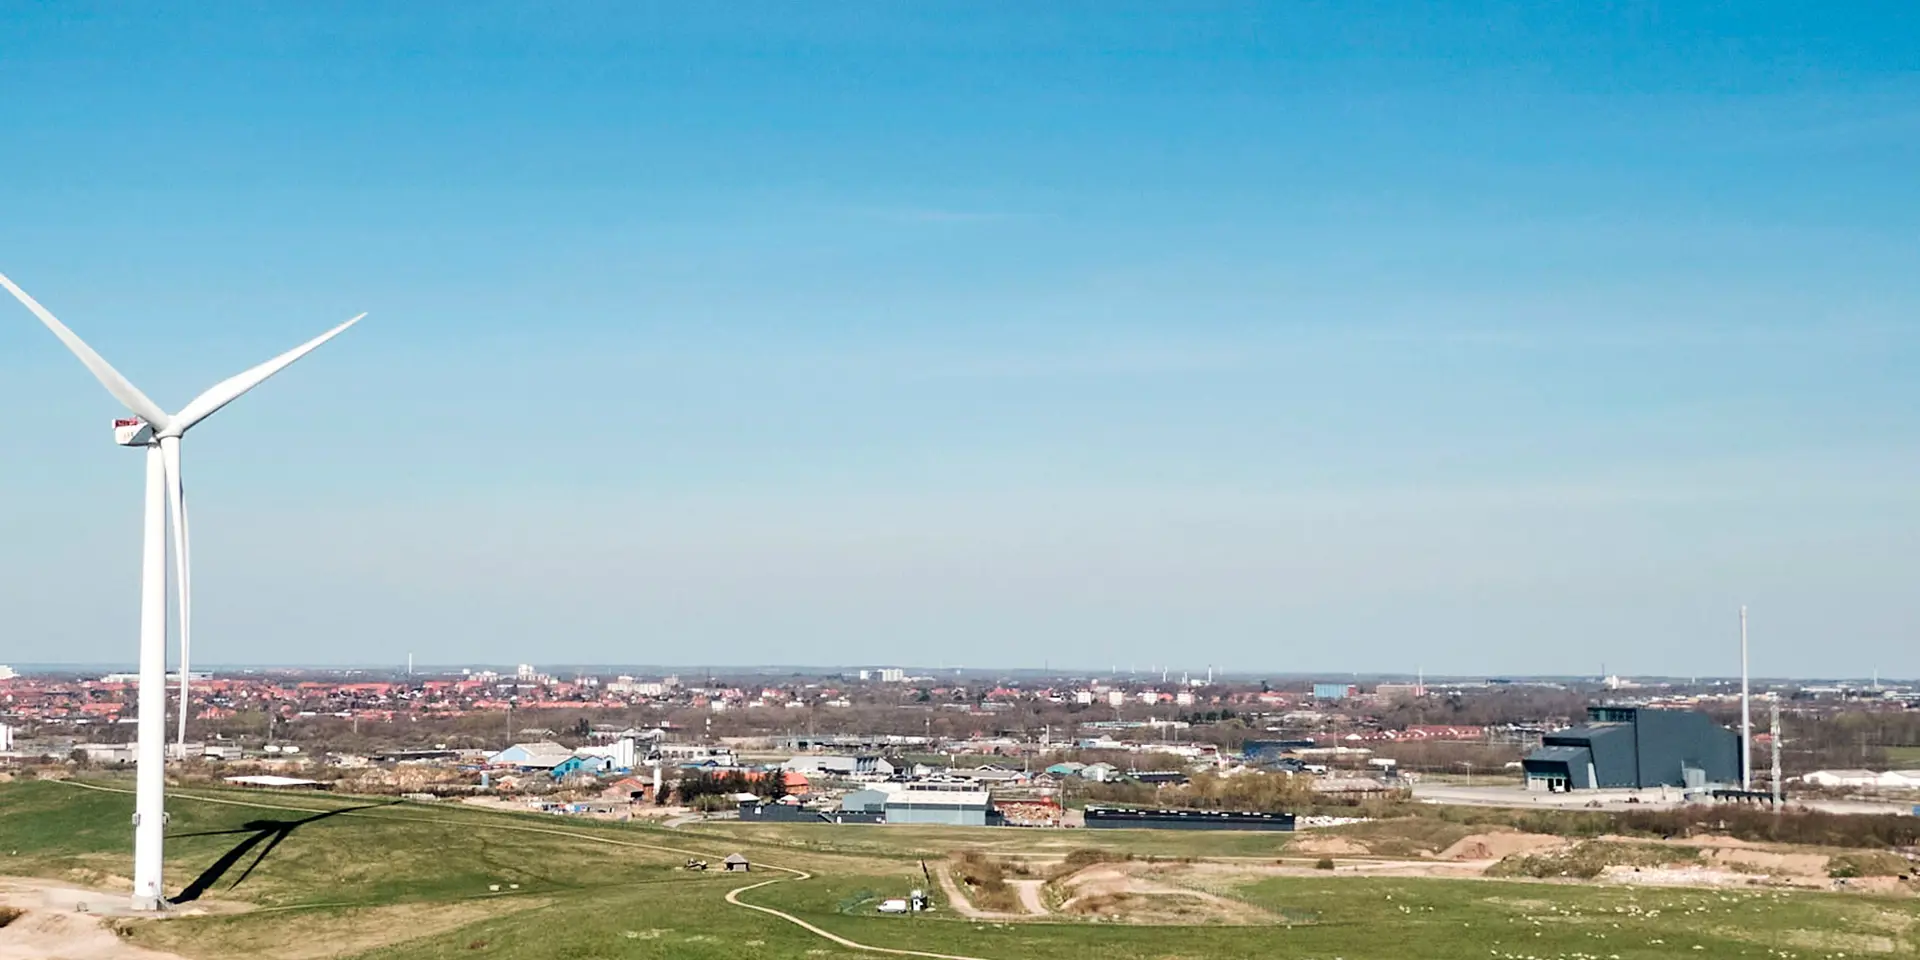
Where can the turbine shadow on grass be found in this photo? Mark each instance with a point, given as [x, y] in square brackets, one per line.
[267, 832]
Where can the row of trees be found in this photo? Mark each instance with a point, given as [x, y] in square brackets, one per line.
[707, 791]
[1262, 792]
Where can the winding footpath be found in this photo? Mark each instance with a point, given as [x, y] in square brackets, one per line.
[732, 897]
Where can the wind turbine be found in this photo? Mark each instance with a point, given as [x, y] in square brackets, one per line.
[160, 433]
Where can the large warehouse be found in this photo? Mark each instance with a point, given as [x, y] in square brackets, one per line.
[1635, 748]
[947, 804]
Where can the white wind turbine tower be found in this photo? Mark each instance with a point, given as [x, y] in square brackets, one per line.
[160, 433]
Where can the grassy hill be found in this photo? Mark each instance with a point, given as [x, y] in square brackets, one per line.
[295, 876]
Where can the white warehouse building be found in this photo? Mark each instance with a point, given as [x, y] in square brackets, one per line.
[942, 804]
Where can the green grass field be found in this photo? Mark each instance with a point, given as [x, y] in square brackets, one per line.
[916, 842]
[414, 881]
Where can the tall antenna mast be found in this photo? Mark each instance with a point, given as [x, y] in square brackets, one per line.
[1746, 711]
[1776, 753]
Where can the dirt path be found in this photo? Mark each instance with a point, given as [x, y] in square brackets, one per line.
[733, 896]
[1030, 896]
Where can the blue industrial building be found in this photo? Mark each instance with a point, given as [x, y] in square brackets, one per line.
[584, 765]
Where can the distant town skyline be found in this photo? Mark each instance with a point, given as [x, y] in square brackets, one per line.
[1496, 340]
[696, 673]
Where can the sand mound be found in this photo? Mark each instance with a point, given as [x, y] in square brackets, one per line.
[1098, 880]
[45, 935]
[1499, 846]
[1331, 846]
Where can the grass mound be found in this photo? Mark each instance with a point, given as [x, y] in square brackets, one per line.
[1078, 860]
[1590, 858]
[1876, 863]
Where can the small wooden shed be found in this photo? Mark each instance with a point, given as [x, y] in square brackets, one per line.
[737, 862]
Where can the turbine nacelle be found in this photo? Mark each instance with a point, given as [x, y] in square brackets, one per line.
[132, 432]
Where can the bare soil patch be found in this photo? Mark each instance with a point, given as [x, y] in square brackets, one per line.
[1500, 845]
[1136, 893]
[1755, 860]
[50, 935]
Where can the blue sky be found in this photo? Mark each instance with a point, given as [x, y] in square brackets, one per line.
[1482, 337]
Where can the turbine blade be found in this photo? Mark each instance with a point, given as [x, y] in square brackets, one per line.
[230, 389]
[183, 571]
[119, 386]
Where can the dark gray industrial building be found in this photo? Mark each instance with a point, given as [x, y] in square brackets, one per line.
[1627, 748]
[757, 811]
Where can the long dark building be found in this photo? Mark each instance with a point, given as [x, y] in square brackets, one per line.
[1116, 818]
[1635, 748]
[1267, 751]
[752, 811]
